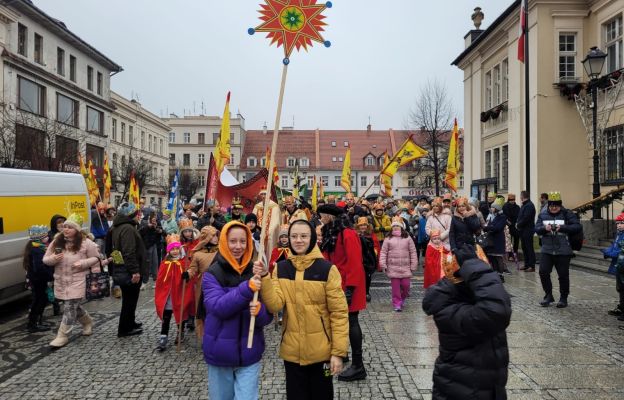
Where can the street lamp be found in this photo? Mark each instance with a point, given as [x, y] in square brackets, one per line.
[593, 63]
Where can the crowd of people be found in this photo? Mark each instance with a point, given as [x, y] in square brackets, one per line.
[314, 280]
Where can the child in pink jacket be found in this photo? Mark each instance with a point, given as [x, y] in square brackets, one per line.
[398, 259]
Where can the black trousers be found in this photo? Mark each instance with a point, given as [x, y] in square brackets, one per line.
[355, 337]
[40, 299]
[562, 265]
[369, 279]
[308, 382]
[527, 248]
[619, 286]
[515, 241]
[129, 300]
[421, 250]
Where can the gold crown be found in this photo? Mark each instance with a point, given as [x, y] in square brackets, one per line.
[185, 223]
[554, 196]
[173, 238]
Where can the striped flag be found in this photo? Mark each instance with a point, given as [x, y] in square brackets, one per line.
[173, 194]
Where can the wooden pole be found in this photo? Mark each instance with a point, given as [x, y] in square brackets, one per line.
[267, 200]
[181, 313]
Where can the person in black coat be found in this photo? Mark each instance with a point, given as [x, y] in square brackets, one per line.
[495, 227]
[464, 225]
[471, 317]
[526, 229]
[511, 211]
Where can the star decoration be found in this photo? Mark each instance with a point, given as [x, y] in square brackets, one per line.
[292, 24]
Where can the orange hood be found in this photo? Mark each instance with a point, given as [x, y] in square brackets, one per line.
[224, 250]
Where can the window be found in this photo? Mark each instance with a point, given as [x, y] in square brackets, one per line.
[38, 49]
[201, 159]
[613, 43]
[411, 181]
[232, 137]
[488, 90]
[201, 138]
[496, 165]
[614, 153]
[171, 137]
[376, 180]
[96, 154]
[488, 164]
[363, 181]
[123, 132]
[160, 147]
[90, 78]
[290, 162]
[131, 135]
[60, 61]
[333, 143]
[381, 161]
[202, 180]
[337, 180]
[142, 140]
[369, 161]
[22, 39]
[346, 144]
[505, 73]
[115, 160]
[251, 162]
[504, 184]
[497, 86]
[325, 180]
[304, 162]
[66, 110]
[31, 96]
[334, 159]
[263, 162]
[99, 83]
[172, 160]
[28, 141]
[284, 181]
[114, 129]
[310, 184]
[215, 138]
[66, 150]
[187, 137]
[72, 68]
[232, 160]
[95, 122]
[340, 159]
[150, 143]
[186, 159]
[567, 56]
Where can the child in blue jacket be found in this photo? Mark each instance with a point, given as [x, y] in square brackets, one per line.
[617, 265]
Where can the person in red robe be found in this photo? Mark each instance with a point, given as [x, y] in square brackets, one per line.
[170, 282]
[281, 252]
[341, 246]
[433, 259]
[189, 238]
[368, 238]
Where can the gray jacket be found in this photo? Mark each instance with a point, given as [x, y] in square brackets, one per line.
[557, 243]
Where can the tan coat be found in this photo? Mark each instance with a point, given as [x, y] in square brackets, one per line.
[440, 222]
[316, 316]
[70, 281]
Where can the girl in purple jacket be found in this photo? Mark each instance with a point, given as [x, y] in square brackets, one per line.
[398, 259]
[228, 287]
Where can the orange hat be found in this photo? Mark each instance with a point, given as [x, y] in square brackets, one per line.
[362, 221]
[184, 224]
[283, 230]
[437, 202]
[462, 201]
[434, 233]
[398, 221]
[379, 206]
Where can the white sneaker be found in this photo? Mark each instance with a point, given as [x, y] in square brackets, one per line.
[143, 286]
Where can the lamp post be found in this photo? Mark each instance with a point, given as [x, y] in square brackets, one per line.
[593, 63]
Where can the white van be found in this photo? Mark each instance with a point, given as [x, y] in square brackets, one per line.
[31, 198]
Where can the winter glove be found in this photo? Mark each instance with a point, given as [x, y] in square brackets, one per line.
[186, 276]
[349, 294]
[465, 253]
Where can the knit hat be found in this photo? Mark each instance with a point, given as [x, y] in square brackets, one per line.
[127, 209]
[362, 221]
[554, 199]
[498, 203]
[331, 209]
[620, 218]
[341, 204]
[398, 221]
[37, 232]
[208, 232]
[283, 230]
[173, 241]
[251, 217]
[75, 221]
[184, 224]
[167, 212]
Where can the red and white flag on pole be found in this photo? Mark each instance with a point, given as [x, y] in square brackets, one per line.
[521, 35]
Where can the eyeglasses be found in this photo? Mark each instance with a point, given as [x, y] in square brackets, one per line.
[303, 236]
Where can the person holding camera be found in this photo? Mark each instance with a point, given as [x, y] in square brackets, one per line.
[555, 225]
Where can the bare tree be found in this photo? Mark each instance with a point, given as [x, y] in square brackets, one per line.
[132, 160]
[189, 183]
[432, 119]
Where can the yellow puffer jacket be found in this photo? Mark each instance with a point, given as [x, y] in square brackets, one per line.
[316, 317]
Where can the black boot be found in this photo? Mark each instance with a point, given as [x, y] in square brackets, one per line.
[547, 300]
[368, 297]
[563, 302]
[356, 371]
[190, 323]
[34, 327]
[42, 322]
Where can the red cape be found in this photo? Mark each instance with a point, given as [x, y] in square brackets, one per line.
[169, 283]
[278, 254]
[433, 265]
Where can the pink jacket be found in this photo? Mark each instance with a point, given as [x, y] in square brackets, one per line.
[398, 257]
[70, 281]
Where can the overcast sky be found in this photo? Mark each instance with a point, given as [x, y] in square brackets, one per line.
[178, 54]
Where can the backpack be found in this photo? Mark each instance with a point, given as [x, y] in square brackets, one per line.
[369, 258]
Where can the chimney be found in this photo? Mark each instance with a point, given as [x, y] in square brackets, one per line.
[264, 129]
[477, 17]
[369, 128]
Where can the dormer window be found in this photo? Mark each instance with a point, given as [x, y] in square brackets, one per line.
[346, 144]
[290, 162]
[304, 162]
[333, 143]
[369, 161]
[263, 162]
[252, 162]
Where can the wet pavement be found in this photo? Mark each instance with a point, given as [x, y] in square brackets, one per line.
[572, 353]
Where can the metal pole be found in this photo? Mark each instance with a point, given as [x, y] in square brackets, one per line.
[596, 185]
[527, 102]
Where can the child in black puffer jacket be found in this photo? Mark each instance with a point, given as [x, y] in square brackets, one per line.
[38, 275]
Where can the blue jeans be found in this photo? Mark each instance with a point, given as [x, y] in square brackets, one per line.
[240, 383]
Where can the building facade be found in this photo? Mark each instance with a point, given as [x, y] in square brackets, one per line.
[560, 35]
[56, 99]
[192, 139]
[139, 142]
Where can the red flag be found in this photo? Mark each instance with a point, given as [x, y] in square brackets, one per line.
[521, 34]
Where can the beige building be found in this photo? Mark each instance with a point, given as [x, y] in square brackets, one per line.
[561, 34]
[139, 141]
[193, 138]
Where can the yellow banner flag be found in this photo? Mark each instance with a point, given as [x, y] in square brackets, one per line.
[94, 191]
[107, 180]
[83, 169]
[314, 194]
[452, 164]
[223, 155]
[386, 180]
[408, 152]
[133, 192]
[345, 180]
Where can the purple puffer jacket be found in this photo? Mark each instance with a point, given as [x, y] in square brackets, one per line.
[226, 327]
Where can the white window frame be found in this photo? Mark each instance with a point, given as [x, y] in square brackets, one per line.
[285, 181]
[252, 162]
[201, 159]
[291, 162]
[187, 137]
[337, 179]
[612, 39]
[505, 76]
[172, 136]
[363, 180]
[487, 96]
[325, 180]
[369, 161]
[496, 85]
[567, 57]
[304, 162]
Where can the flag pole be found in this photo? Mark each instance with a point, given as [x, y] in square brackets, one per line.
[527, 99]
[267, 200]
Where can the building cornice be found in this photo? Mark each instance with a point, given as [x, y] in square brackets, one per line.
[136, 110]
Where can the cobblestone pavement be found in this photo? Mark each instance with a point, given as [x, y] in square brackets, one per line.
[563, 354]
